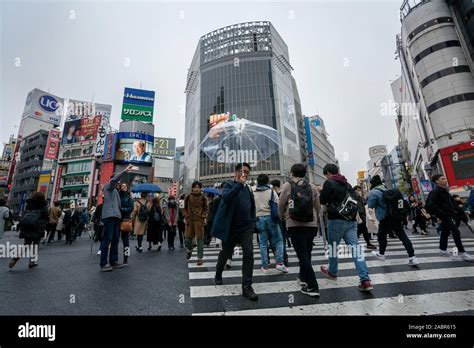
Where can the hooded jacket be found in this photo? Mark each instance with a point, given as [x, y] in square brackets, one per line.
[440, 203]
[333, 193]
[262, 195]
[42, 206]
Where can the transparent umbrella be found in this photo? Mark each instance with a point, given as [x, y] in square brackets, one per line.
[240, 141]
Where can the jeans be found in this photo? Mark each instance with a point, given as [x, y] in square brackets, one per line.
[447, 226]
[302, 240]
[347, 230]
[245, 238]
[390, 225]
[268, 227]
[285, 237]
[125, 236]
[112, 236]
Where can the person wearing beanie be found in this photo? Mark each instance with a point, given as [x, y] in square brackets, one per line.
[387, 223]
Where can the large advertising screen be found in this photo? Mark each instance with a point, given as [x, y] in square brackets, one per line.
[52, 147]
[138, 105]
[81, 130]
[164, 147]
[134, 148]
[458, 161]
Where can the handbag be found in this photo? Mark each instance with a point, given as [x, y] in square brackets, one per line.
[273, 208]
[126, 225]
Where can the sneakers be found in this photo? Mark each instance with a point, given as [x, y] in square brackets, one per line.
[378, 256]
[281, 268]
[328, 274]
[371, 247]
[188, 254]
[413, 261]
[365, 286]
[117, 265]
[228, 264]
[32, 264]
[200, 262]
[310, 292]
[300, 282]
[159, 246]
[424, 233]
[265, 270]
[248, 292]
[13, 263]
[106, 268]
[444, 253]
[466, 257]
[98, 253]
[218, 281]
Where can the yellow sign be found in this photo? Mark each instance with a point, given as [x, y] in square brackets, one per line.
[361, 174]
[43, 184]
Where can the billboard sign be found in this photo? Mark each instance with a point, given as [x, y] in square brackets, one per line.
[458, 162]
[76, 152]
[134, 148]
[44, 182]
[309, 141]
[81, 130]
[361, 174]
[163, 168]
[109, 147]
[138, 104]
[52, 147]
[426, 186]
[164, 147]
[44, 106]
[8, 152]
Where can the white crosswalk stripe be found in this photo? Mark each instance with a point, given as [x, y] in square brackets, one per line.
[438, 285]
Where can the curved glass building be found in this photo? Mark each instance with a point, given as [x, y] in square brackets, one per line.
[244, 70]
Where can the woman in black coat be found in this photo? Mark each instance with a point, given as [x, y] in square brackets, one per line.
[32, 225]
[155, 225]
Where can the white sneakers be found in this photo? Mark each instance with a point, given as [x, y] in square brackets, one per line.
[265, 270]
[282, 268]
[466, 257]
[378, 256]
[444, 253]
[413, 261]
[98, 253]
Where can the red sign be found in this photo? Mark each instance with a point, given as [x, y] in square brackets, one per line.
[58, 183]
[458, 162]
[416, 187]
[106, 171]
[52, 147]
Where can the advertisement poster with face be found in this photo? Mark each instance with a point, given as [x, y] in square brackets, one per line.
[81, 130]
[134, 148]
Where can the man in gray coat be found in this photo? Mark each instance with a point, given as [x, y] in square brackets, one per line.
[111, 216]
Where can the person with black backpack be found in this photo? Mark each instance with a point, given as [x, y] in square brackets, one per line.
[342, 207]
[32, 225]
[389, 210]
[299, 207]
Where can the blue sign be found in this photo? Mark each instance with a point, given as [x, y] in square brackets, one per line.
[140, 97]
[426, 186]
[309, 143]
[22, 201]
[48, 103]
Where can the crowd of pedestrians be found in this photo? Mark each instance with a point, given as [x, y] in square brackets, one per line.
[282, 216]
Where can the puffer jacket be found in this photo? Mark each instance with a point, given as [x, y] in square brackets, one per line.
[37, 233]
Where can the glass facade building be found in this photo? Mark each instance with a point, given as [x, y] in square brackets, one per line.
[241, 70]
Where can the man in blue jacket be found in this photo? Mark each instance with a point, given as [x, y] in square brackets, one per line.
[387, 224]
[234, 224]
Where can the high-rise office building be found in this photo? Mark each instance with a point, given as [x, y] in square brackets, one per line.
[243, 70]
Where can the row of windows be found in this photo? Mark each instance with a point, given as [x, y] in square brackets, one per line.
[237, 66]
[75, 167]
[238, 81]
[434, 48]
[445, 72]
[428, 24]
[450, 100]
[208, 167]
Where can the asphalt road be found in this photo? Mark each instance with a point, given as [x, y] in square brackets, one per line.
[68, 282]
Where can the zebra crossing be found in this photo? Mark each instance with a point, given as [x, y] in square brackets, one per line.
[439, 285]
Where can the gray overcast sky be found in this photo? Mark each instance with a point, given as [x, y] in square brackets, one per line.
[76, 57]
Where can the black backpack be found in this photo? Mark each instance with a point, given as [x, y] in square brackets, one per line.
[300, 206]
[393, 199]
[30, 220]
[142, 212]
[349, 207]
